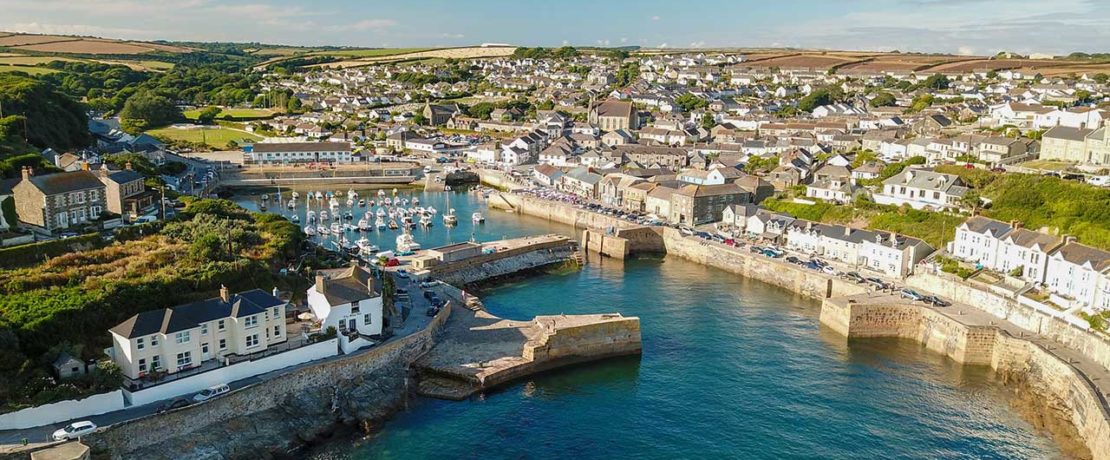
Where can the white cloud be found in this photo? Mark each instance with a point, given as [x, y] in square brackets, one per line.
[697, 44]
[655, 18]
[81, 29]
[603, 42]
[965, 51]
[363, 25]
[662, 45]
[453, 36]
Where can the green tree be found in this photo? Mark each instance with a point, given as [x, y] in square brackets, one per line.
[481, 110]
[420, 119]
[146, 110]
[936, 81]
[883, 99]
[707, 121]
[689, 102]
[821, 96]
[46, 116]
[208, 115]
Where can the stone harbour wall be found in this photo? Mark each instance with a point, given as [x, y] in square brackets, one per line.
[281, 414]
[491, 266]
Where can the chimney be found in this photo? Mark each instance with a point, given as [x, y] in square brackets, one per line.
[127, 166]
[1069, 239]
[225, 295]
[1016, 224]
[321, 283]
[84, 165]
[847, 230]
[275, 292]
[27, 172]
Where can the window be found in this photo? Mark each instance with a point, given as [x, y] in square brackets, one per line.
[155, 362]
[366, 319]
[277, 331]
[142, 365]
[181, 337]
[223, 344]
[153, 341]
[204, 348]
[139, 343]
[252, 340]
[184, 359]
[220, 325]
[203, 329]
[250, 321]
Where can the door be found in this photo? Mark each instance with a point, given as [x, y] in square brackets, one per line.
[351, 325]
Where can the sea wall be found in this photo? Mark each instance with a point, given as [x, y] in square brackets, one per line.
[1090, 345]
[557, 212]
[498, 264]
[281, 414]
[1051, 392]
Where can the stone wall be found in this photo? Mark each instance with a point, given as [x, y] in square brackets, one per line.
[605, 244]
[282, 413]
[1054, 395]
[489, 266]
[558, 212]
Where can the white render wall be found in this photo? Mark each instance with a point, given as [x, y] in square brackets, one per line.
[62, 411]
[234, 372]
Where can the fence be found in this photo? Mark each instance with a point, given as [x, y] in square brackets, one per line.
[61, 411]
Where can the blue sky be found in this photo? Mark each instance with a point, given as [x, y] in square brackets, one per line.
[954, 26]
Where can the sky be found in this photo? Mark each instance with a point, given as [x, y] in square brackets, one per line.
[951, 26]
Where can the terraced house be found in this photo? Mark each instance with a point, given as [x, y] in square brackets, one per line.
[54, 202]
[184, 337]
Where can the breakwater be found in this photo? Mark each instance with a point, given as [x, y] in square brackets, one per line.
[1077, 425]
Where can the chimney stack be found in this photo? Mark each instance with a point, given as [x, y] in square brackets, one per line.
[127, 166]
[1069, 239]
[275, 292]
[84, 165]
[847, 230]
[27, 172]
[225, 295]
[321, 283]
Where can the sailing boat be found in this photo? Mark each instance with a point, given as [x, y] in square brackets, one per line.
[406, 244]
[449, 217]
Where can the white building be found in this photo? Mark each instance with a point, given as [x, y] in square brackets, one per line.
[1080, 273]
[978, 239]
[298, 152]
[346, 299]
[922, 189]
[180, 338]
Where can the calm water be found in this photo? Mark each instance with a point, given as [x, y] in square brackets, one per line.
[731, 369]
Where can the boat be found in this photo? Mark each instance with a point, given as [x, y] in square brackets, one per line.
[311, 217]
[449, 217]
[392, 224]
[350, 202]
[394, 191]
[426, 220]
[344, 242]
[295, 219]
[322, 230]
[309, 230]
[380, 212]
[295, 195]
[366, 246]
[388, 202]
[407, 222]
[415, 201]
[262, 206]
[333, 203]
[323, 215]
[362, 203]
[379, 223]
[352, 193]
[335, 215]
[363, 225]
[336, 228]
[406, 244]
[265, 197]
[330, 195]
[348, 216]
[431, 210]
[381, 192]
[319, 196]
[477, 218]
[292, 204]
[338, 193]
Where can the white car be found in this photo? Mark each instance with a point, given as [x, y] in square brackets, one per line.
[74, 430]
[211, 392]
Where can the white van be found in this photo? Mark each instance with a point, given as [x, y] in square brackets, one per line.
[211, 392]
[1101, 181]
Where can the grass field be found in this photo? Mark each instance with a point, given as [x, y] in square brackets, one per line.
[31, 60]
[27, 69]
[216, 138]
[377, 52]
[242, 114]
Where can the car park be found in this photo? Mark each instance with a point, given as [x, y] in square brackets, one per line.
[911, 294]
[853, 276]
[74, 430]
[794, 260]
[877, 283]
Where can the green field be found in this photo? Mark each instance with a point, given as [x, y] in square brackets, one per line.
[216, 138]
[27, 69]
[361, 53]
[239, 114]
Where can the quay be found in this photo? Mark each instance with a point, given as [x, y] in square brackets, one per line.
[479, 351]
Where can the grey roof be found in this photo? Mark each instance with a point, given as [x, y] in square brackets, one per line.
[982, 225]
[928, 180]
[52, 184]
[265, 147]
[347, 285]
[1028, 238]
[188, 316]
[1067, 133]
[583, 175]
[1080, 254]
[125, 176]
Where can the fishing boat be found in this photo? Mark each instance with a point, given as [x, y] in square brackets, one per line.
[392, 224]
[335, 215]
[352, 193]
[426, 220]
[295, 219]
[338, 193]
[379, 223]
[350, 202]
[292, 204]
[344, 242]
[362, 203]
[388, 201]
[407, 222]
[336, 228]
[406, 244]
[330, 195]
[477, 218]
[363, 225]
[366, 246]
[431, 210]
[333, 203]
[309, 230]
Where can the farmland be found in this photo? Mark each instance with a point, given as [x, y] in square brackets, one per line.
[82, 45]
[29, 70]
[472, 52]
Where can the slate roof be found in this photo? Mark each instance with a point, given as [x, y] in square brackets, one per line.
[982, 225]
[613, 108]
[1068, 133]
[1028, 238]
[928, 180]
[265, 147]
[188, 316]
[53, 184]
[124, 176]
[347, 285]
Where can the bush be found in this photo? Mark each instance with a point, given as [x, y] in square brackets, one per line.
[30, 254]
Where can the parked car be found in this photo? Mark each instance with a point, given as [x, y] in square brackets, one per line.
[211, 392]
[432, 311]
[175, 404]
[911, 294]
[772, 253]
[756, 250]
[402, 273]
[828, 269]
[878, 283]
[936, 301]
[794, 260]
[854, 277]
[812, 265]
[74, 430]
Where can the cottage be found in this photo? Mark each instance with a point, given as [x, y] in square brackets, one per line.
[58, 201]
[348, 300]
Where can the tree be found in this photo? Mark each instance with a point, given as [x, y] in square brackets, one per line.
[208, 115]
[883, 99]
[617, 53]
[627, 74]
[821, 96]
[689, 102]
[707, 121]
[480, 110]
[145, 110]
[207, 247]
[419, 119]
[46, 117]
[1082, 96]
[936, 81]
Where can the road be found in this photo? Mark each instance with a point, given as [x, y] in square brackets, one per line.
[416, 321]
